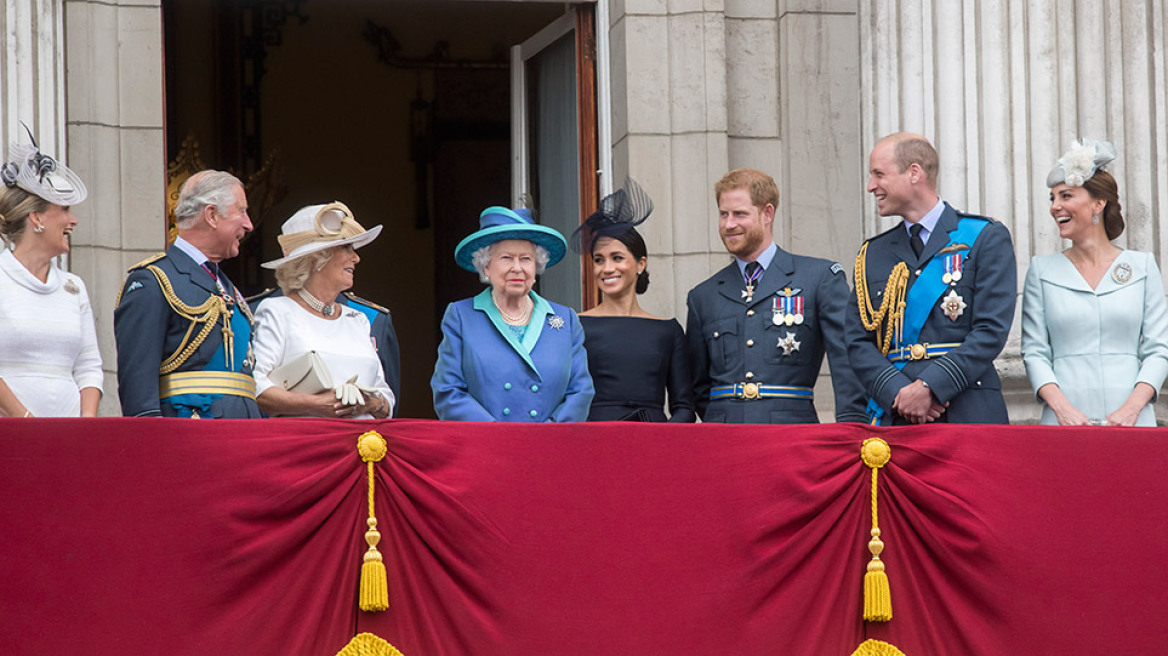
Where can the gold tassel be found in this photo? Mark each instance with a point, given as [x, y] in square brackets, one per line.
[368, 644]
[876, 648]
[876, 453]
[374, 585]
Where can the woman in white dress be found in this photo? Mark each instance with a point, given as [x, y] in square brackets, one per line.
[49, 361]
[319, 261]
[1094, 319]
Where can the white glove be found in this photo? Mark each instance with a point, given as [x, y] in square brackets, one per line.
[348, 393]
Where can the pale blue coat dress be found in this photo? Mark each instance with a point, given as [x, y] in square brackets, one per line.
[486, 372]
[1096, 344]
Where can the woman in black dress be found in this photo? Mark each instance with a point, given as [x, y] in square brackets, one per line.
[633, 356]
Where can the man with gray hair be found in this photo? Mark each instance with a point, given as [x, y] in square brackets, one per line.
[183, 331]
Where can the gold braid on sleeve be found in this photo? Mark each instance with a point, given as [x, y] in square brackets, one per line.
[208, 314]
[891, 312]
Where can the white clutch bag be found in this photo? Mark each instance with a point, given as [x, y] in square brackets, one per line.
[306, 374]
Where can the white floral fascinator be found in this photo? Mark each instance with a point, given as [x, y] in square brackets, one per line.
[41, 175]
[1080, 162]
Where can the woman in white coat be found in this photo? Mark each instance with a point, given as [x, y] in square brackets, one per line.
[1094, 319]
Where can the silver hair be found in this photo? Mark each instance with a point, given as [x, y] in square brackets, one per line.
[290, 276]
[201, 190]
[482, 257]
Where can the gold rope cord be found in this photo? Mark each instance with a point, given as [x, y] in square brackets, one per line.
[208, 314]
[374, 589]
[891, 312]
[876, 453]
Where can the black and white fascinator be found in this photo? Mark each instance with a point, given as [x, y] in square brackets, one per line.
[619, 212]
[41, 175]
[1081, 161]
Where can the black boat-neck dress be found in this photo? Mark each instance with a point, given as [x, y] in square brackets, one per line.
[633, 361]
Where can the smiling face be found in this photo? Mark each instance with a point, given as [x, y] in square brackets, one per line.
[744, 227]
[614, 267]
[338, 272]
[230, 225]
[1072, 208]
[58, 222]
[891, 186]
[512, 267]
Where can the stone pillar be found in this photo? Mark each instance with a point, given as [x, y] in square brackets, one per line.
[1002, 87]
[669, 117]
[115, 130]
[32, 75]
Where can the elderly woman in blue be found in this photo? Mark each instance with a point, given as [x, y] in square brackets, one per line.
[508, 354]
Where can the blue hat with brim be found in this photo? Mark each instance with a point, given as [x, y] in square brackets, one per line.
[499, 223]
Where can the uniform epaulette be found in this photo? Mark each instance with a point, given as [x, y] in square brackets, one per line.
[357, 299]
[150, 260]
[256, 298]
[966, 215]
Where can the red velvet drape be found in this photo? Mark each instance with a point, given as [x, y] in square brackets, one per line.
[152, 536]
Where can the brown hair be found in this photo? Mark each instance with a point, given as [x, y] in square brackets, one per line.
[1102, 186]
[762, 187]
[15, 206]
[910, 149]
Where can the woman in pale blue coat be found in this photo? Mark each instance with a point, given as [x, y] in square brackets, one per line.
[508, 354]
[1094, 320]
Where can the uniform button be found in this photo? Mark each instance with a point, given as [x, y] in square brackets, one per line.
[506, 411]
[535, 388]
[533, 413]
[978, 383]
[715, 334]
[750, 313]
[750, 342]
[749, 375]
[506, 385]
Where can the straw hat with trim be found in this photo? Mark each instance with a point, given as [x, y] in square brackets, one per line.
[499, 223]
[317, 227]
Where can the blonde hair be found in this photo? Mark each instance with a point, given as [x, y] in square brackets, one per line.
[290, 276]
[762, 187]
[15, 206]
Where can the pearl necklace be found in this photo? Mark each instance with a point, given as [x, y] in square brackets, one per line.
[325, 309]
[520, 320]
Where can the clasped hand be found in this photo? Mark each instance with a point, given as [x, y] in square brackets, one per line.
[916, 403]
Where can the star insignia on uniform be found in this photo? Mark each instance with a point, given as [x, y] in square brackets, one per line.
[953, 305]
[556, 322]
[788, 343]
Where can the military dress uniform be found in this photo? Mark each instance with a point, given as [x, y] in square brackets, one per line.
[958, 305]
[756, 356]
[183, 339]
[381, 331]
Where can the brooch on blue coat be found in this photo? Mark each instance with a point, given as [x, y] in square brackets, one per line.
[555, 322]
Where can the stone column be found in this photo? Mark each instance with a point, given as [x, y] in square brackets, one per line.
[115, 130]
[32, 74]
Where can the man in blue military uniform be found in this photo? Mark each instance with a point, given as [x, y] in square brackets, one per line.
[381, 331]
[933, 300]
[183, 331]
[758, 329]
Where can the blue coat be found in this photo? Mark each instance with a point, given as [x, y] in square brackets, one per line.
[732, 340]
[147, 330]
[964, 377]
[1095, 344]
[484, 374]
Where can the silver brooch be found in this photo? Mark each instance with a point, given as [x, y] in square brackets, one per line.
[555, 322]
[953, 305]
[789, 344]
[71, 287]
[1122, 272]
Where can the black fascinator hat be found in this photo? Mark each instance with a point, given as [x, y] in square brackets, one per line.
[619, 212]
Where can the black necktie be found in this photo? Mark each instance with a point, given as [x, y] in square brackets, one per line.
[918, 244]
[214, 269]
[752, 271]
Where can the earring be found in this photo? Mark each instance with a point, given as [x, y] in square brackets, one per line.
[1095, 218]
[39, 228]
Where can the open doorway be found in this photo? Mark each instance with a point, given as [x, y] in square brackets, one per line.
[402, 110]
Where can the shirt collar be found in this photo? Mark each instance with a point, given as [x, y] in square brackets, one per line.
[189, 248]
[928, 222]
[764, 259]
